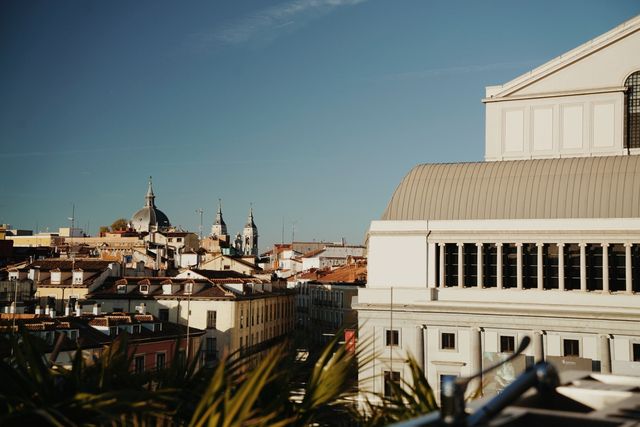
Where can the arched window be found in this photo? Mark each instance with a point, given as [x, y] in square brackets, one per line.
[632, 111]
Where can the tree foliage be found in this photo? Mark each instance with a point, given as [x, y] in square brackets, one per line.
[242, 390]
[119, 224]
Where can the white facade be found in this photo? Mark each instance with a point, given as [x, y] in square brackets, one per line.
[457, 281]
[331, 256]
[571, 106]
[232, 323]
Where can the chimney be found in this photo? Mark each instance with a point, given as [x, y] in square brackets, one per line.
[143, 308]
[38, 310]
[67, 310]
[12, 308]
[46, 310]
[52, 313]
[96, 309]
[78, 310]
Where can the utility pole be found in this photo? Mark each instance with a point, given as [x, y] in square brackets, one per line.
[72, 219]
[188, 317]
[200, 211]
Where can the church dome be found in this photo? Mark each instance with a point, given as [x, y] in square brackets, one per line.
[149, 217]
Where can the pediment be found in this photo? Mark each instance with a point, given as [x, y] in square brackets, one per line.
[601, 64]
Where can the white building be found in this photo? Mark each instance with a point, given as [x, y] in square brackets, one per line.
[238, 314]
[542, 239]
[331, 256]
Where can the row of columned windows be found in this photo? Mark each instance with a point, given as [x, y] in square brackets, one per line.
[567, 266]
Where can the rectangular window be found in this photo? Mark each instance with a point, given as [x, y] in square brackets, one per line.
[138, 364]
[507, 344]
[571, 348]
[211, 350]
[636, 352]
[211, 319]
[444, 378]
[447, 341]
[160, 361]
[163, 314]
[392, 337]
[390, 377]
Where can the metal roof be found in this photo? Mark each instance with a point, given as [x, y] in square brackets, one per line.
[583, 187]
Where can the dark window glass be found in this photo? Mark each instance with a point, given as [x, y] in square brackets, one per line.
[448, 341]
[572, 266]
[390, 377]
[470, 251]
[635, 270]
[392, 338]
[636, 352]
[507, 344]
[451, 264]
[632, 111]
[490, 263]
[160, 359]
[138, 364]
[617, 267]
[571, 348]
[163, 314]
[550, 255]
[509, 265]
[211, 351]
[529, 265]
[594, 266]
[211, 319]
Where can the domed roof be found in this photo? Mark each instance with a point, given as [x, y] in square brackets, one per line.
[582, 187]
[149, 216]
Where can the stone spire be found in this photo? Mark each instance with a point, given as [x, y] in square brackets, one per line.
[250, 236]
[219, 228]
[150, 197]
[250, 222]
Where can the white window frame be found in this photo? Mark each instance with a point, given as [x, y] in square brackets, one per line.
[455, 338]
[399, 344]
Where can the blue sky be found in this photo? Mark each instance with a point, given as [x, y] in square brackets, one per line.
[313, 110]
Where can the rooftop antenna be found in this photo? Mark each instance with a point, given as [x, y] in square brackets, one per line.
[282, 239]
[72, 219]
[293, 231]
[200, 211]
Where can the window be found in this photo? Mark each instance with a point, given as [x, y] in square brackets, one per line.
[636, 352]
[137, 329]
[390, 377]
[571, 348]
[507, 344]
[138, 364]
[188, 288]
[632, 111]
[160, 360]
[163, 314]
[241, 340]
[392, 337]
[211, 319]
[447, 341]
[211, 350]
[122, 289]
[445, 378]
[144, 289]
